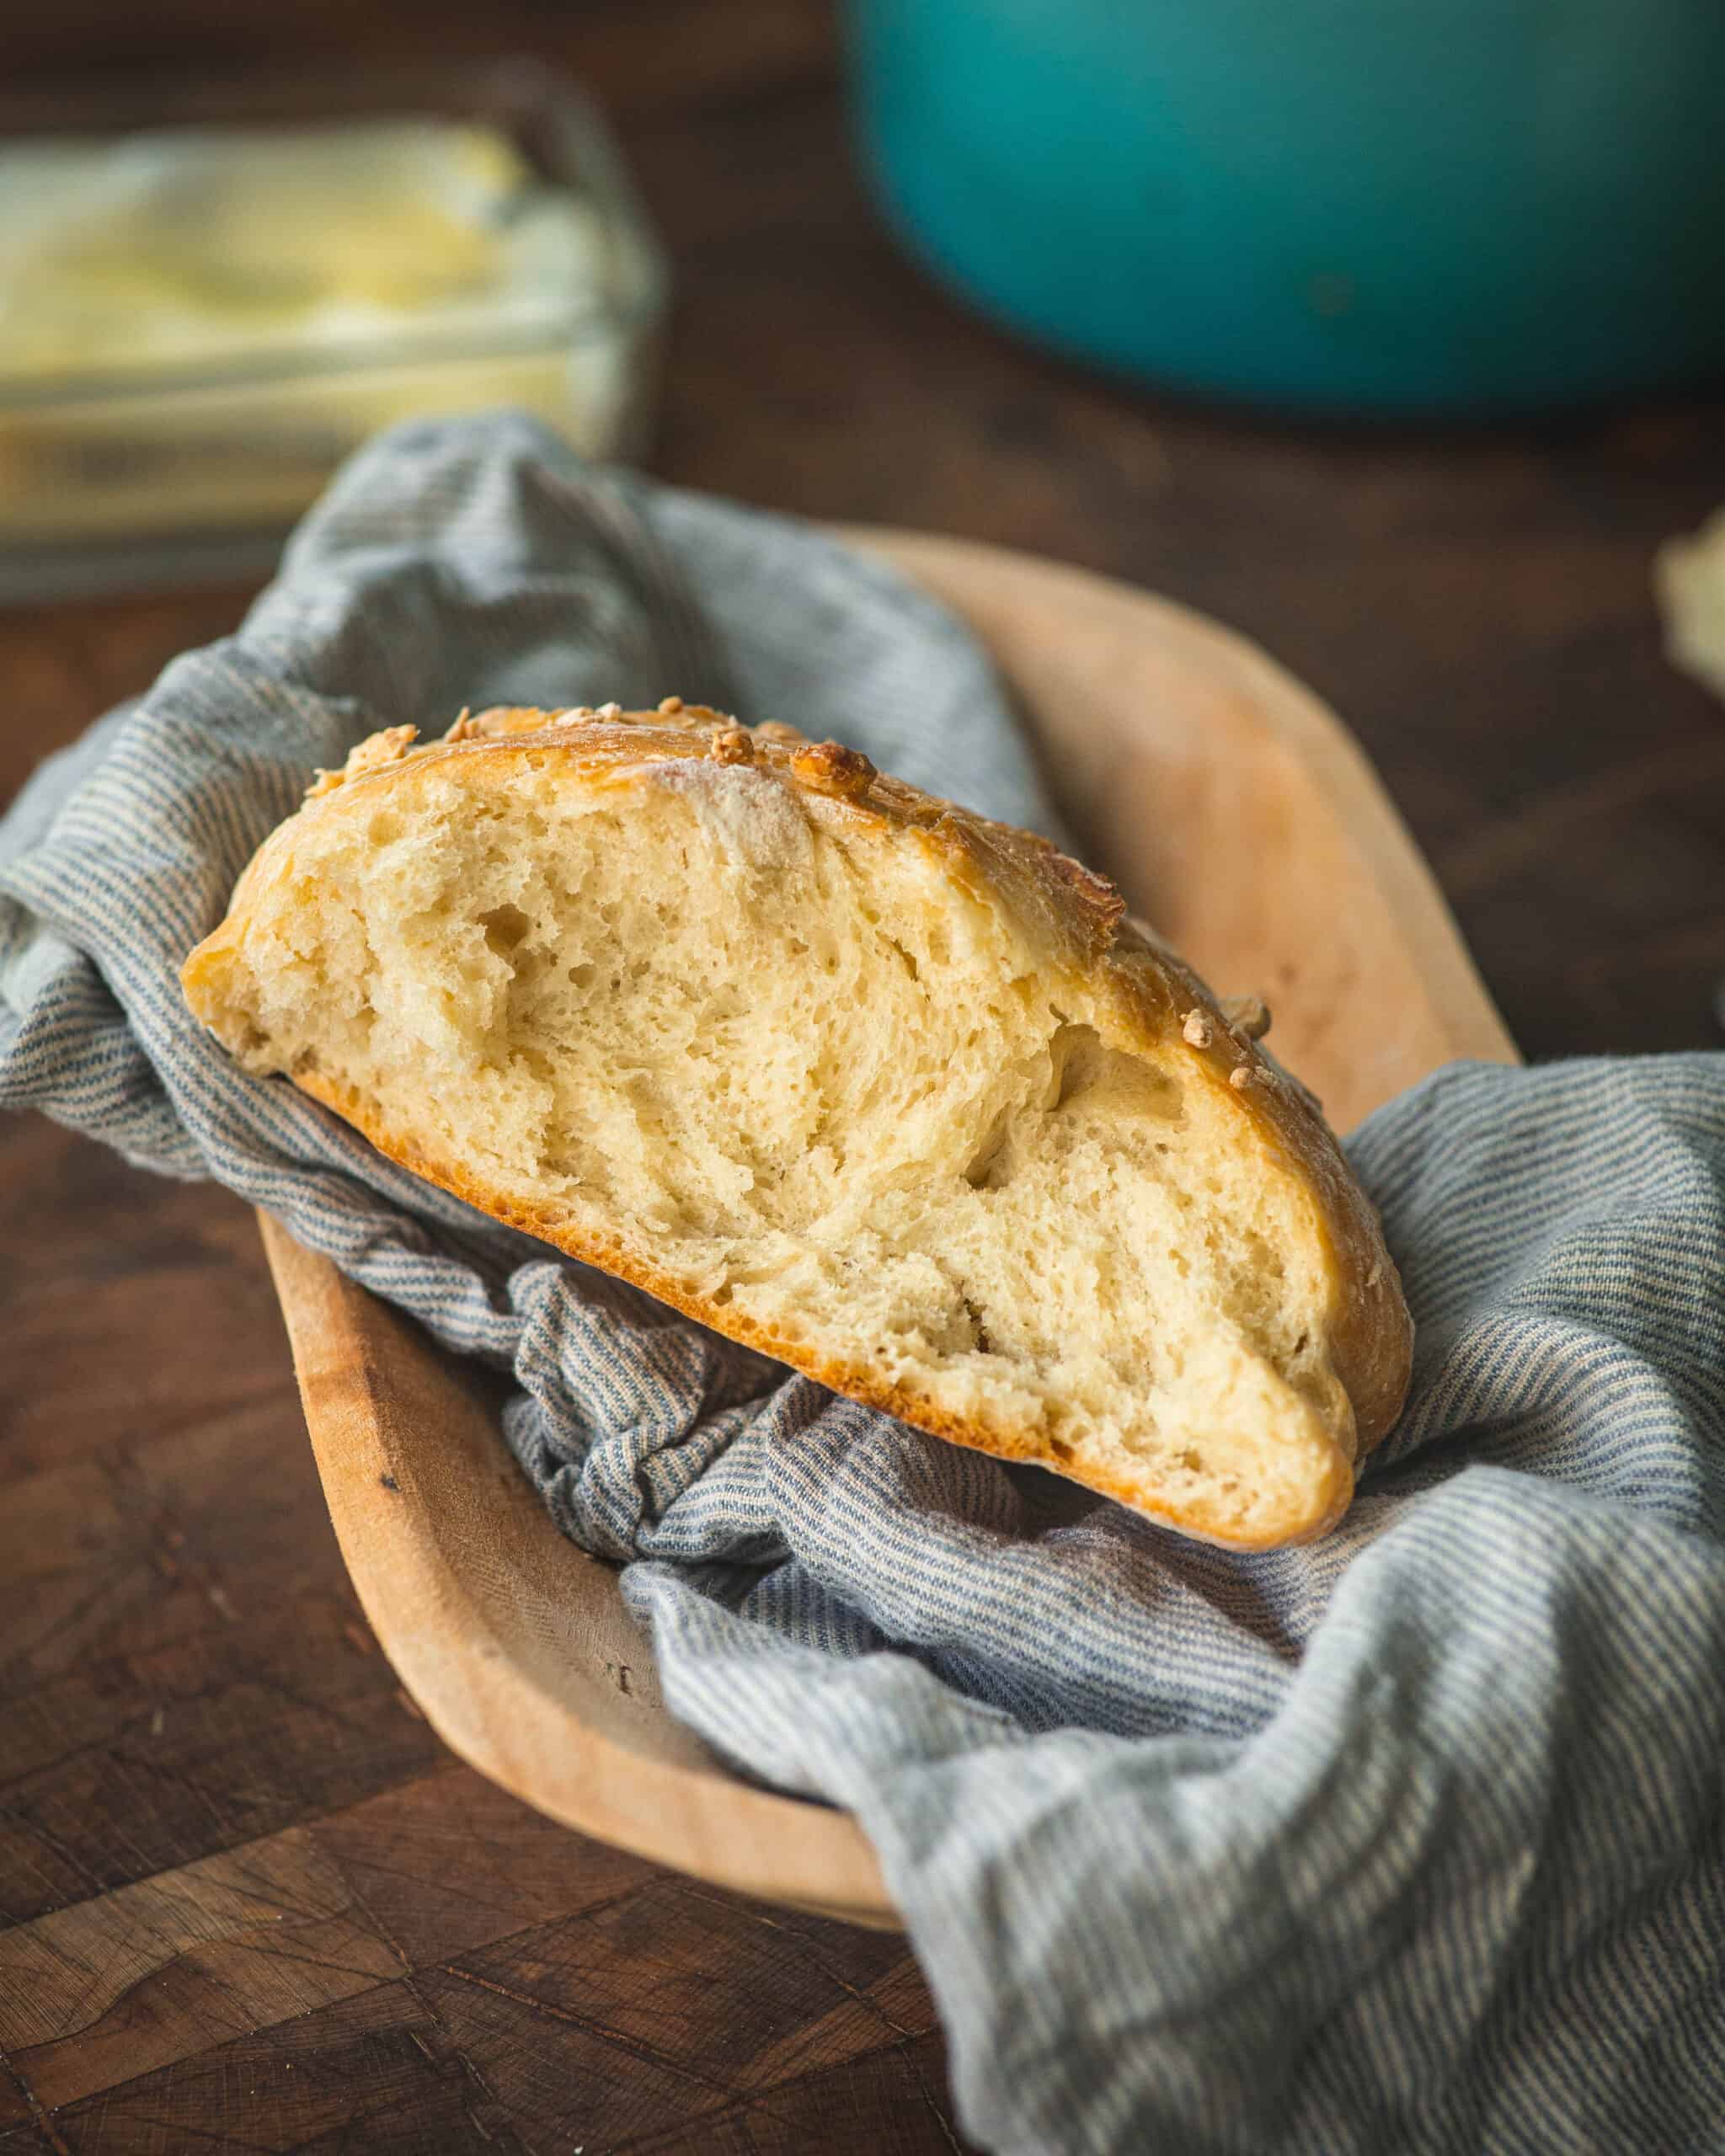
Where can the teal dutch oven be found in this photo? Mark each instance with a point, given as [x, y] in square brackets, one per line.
[1387, 206]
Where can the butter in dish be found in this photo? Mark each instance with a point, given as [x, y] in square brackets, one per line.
[204, 308]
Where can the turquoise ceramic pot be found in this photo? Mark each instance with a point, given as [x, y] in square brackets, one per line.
[1373, 205]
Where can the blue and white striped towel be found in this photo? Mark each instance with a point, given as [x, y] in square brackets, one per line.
[1414, 1840]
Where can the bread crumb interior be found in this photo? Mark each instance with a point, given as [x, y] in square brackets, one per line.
[789, 1061]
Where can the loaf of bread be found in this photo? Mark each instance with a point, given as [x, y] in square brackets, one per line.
[890, 1092]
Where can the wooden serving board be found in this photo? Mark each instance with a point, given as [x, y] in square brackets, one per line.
[1240, 817]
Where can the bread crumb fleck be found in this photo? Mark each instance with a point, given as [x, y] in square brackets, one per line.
[1241, 1076]
[1248, 1016]
[463, 727]
[734, 745]
[1196, 1031]
[829, 767]
[775, 729]
[671, 705]
[609, 711]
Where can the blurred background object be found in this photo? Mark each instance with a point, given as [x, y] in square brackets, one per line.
[1457, 207]
[210, 293]
[1690, 577]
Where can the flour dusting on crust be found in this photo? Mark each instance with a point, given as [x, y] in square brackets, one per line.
[752, 814]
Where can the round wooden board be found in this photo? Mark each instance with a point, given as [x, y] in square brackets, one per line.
[1238, 816]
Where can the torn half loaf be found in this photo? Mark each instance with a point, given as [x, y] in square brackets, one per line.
[894, 1093]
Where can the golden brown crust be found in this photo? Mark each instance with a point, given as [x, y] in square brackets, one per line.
[1075, 910]
[1158, 1005]
[829, 767]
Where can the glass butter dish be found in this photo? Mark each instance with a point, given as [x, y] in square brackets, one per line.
[206, 302]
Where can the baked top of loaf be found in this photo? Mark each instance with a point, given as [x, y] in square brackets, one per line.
[891, 1092]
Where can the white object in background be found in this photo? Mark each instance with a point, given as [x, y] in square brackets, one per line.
[1689, 579]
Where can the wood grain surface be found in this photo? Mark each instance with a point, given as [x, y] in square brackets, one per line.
[250, 1901]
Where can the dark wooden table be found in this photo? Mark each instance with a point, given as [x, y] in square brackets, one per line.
[250, 1902]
